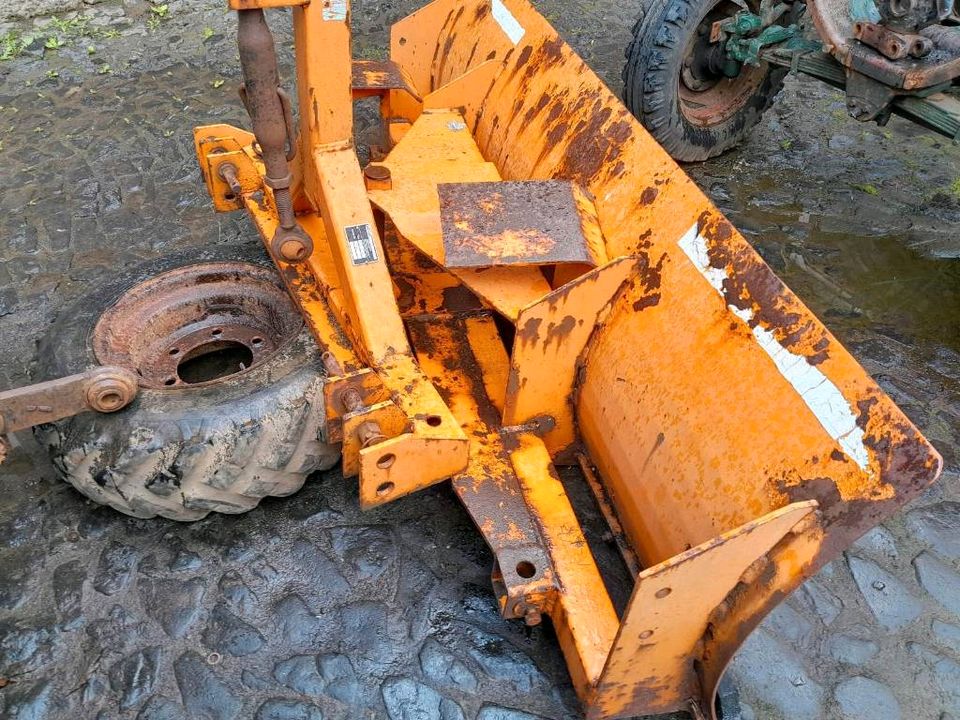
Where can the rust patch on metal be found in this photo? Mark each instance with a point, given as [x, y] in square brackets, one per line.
[378, 76]
[533, 222]
[648, 195]
[179, 315]
[751, 285]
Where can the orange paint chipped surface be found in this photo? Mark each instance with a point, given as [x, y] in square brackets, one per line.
[740, 445]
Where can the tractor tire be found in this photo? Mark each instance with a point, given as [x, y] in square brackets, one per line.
[220, 442]
[692, 118]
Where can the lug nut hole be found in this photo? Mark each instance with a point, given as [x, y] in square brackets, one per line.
[663, 592]
[385, 488]
[526, 569]
[170, 381]
[434, 420]
[386, 461]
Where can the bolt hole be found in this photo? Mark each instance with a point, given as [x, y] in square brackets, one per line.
[526, 569]
[385, 488]
[434, 420]
[174, 352]
[230, 197]
[663, 592]
[217, 332]
[386, 461]
[403, 41]
[646, 634]
[170, 381]
[110, 399]
[257, 341]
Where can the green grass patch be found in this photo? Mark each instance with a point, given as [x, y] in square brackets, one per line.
[866, 188]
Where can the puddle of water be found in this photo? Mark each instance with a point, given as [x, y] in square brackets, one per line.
[877, 282]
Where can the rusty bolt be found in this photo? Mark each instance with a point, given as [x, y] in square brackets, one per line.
[228, 173]
[377, 172]
[533, 617]
[370, 433]
[109, 394]
[351, 399]
[331, 364]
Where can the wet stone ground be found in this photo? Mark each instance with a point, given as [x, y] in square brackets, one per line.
[306, 608]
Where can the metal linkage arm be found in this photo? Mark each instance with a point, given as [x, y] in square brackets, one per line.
[103, 389]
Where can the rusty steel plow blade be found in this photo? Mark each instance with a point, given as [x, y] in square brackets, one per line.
[527, 280]
[739, 445]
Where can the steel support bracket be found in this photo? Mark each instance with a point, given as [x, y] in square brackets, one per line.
[360, 413]
[228, 170]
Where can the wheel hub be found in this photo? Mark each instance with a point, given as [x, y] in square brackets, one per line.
[197, 325]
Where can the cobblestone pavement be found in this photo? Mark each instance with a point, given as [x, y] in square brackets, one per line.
[305, 608]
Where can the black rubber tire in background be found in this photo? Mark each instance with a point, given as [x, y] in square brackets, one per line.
[183, 453]
[651, 78]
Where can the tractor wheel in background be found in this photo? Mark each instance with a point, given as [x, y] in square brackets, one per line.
[230, 397]
[674, 83]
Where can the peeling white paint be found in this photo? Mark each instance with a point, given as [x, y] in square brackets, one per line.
[507, 22]
[819, 393]
[334, 10]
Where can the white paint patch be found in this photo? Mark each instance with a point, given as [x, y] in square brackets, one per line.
[507, 22]
[334, 10]
[819, 393]
[456, 126]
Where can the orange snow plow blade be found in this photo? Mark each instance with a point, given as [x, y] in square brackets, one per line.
[734, 445]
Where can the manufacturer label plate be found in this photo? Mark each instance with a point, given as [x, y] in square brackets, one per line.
[360, 244]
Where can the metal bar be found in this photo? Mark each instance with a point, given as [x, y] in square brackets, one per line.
[103, 389]
[261, 94]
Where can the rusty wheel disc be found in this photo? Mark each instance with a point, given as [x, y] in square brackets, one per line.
[197, 325]
[707, 96]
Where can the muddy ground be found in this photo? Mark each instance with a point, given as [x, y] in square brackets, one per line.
[306, 608]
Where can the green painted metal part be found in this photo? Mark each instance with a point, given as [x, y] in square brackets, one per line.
[747, 36]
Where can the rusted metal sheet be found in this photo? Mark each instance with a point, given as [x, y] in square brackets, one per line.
[375, 77]
[439, 149]
[534, 222]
